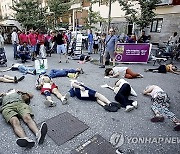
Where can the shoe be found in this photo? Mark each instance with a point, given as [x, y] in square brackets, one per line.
[177, 127]
[102, 66]
[129, 108]
[60, 61]
[140, 76]
[15, 79]
[25, 142]
[146, 70]
[21, 78]
[49, 103]
[135, 104]
[110, 108]
[42, 133]
[157, 119]
[65, 98]
[34, 72]
[67, 61]
[115, 104]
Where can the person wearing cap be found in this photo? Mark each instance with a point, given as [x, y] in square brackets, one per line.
[15, 105]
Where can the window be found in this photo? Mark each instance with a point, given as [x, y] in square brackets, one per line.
[156, 25]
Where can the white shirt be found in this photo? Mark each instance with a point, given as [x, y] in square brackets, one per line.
[121, 70]
[155, 90]
[14, 38]
[1, 41]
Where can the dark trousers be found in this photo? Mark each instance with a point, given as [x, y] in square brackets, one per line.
[123, 94]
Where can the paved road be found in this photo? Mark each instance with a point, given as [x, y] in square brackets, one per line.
[132, 125]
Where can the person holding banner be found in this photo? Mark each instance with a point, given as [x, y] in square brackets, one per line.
[110, 43]
[122, 72]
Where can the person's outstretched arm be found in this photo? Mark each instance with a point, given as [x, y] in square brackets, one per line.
[148, 91]
[115, 75]
[75, 85]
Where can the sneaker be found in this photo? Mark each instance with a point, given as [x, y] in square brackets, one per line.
[25, 142]
[140, 76]
[102, 66]
[21, 78]
[157, 119]
[65, 98]
[146, 70]
[115, 104]
[15, 79]
[50, 103]
[177, 127]
[34, 72]
[129, 108]
[135, 104]
[60, 61]
[42, 133]
[110, 108]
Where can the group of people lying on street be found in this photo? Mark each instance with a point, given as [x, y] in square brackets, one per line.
[15, 103]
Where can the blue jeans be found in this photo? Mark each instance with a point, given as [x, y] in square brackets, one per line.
[15, 50]
[60, 73]
[25, 70]
[90, 47]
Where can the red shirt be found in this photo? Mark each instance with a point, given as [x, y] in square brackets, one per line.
[23, 38]
[41, 39]
[32, 39]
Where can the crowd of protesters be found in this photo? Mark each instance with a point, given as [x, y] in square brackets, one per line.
[30, 45]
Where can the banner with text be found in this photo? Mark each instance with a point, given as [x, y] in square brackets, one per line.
[132, 53]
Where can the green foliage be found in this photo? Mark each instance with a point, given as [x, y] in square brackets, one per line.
[146, 11]
[92, 18]
[29, 13]
[60, 8]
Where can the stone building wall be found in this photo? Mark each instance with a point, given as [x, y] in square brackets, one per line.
[171, 24]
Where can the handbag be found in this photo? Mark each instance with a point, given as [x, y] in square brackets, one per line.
[41, 66]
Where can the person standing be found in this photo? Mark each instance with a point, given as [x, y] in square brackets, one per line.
[15, 41]
[32, 42]
[90, 42]
[23, 38]
[110, 44]
[60, 46]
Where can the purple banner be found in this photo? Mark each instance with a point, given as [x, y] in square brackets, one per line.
[132, 53]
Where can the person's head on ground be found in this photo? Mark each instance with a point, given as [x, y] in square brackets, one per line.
[174, 68]
[111, 31]
[80, 70]
[108, 71]
[45, 78]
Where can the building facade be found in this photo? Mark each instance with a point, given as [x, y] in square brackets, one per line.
[166, 22]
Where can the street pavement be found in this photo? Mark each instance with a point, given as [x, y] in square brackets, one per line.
[131, 126]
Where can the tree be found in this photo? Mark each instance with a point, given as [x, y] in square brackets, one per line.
[30, 13]
[92, 18]
[60, 8]
[146, 11]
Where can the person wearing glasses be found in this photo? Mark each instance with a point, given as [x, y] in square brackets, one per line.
[110, 43]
